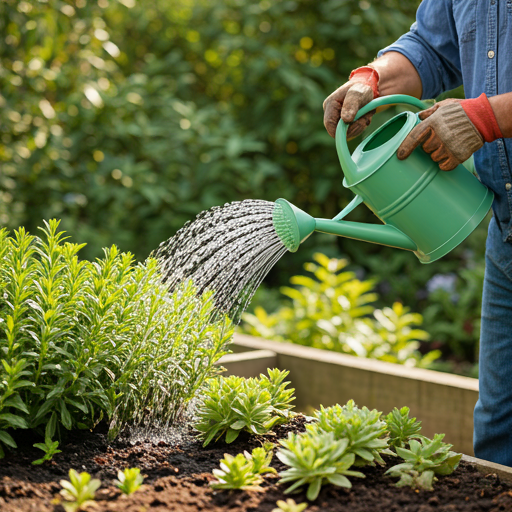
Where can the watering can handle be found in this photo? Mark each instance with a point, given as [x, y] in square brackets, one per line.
[341, 131]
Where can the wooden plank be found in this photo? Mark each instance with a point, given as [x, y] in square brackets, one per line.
[442, 402]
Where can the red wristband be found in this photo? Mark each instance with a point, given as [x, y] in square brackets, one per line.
[367, 76]
[481, 114]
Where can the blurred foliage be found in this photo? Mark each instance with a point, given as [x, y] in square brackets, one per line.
[333, 311]
[127, 118]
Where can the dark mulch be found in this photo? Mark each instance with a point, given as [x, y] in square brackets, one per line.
[178, 480]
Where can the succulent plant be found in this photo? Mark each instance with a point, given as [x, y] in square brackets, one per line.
[425, 459]
[363, 429]
[401, 428]
[233, 404]
[316, 458]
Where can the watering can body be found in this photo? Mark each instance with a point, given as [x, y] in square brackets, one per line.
[423, 209]
[435, 209]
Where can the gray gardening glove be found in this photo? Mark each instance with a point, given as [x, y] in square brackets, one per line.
[445, 132]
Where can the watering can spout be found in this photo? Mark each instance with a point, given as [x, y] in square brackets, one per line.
[293, 226]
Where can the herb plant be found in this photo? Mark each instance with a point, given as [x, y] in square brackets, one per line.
[79, 491]
[233, 404]
[316, 458]
[81, 341]
[401, 428]
[243, 471]
[362, 428]
[129, 480]
[423, 461]
[50, 449]
[289, 506]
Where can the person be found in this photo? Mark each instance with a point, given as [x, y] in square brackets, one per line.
[456, 42]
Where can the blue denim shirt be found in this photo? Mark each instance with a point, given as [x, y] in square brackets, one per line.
[468, 42]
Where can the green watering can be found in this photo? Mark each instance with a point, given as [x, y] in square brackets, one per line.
[424, 209]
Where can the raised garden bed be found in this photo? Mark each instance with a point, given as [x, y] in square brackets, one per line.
[178, 480]
[178, 475]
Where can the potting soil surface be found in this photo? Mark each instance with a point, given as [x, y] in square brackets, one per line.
[178, 478]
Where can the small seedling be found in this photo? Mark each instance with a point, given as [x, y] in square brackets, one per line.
[260, 458]
[50, 449]
[129, 480]
[425, 459]
[316, 458]
[233, 404]
[289, 506]
[79, 491]
[243, 471]
[361, 427]
[236, 473]
[401, 428]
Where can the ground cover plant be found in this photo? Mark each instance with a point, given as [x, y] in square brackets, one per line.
[230, 405]
[84, 341]
[244, 470]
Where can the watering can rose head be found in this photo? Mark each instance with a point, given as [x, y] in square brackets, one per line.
[422, 209]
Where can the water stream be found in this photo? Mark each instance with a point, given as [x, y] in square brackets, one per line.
[227, 250]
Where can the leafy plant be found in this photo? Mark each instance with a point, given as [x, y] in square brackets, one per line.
[316, 458]
[333, 311]
[243, 471]
[81, 341]
[401, 428]
[232, 404]
[423, 460]
[50, 449]
[129, 480]
[79, 491]
[261, 458]
[289, 506]
[363, 429]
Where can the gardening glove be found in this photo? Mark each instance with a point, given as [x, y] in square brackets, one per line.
[345, 102]
[452, 130]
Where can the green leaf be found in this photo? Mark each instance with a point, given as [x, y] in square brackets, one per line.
[7, 439]
[13, 420]
[231, 435]
[65, 416]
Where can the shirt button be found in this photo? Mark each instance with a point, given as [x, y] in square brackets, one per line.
[508, 186]
[490, 54]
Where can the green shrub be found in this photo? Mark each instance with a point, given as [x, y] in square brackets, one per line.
[333, 311]
[362, 428]
[128, 118]
[230, 405]
[81, 341]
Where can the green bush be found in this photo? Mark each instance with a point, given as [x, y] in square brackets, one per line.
[333, 311]
[81, 341]
[127, 118]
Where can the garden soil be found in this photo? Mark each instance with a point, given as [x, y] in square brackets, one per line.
[178, 478]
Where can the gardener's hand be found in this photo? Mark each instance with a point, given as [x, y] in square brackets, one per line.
[452, 130]
[345, 102]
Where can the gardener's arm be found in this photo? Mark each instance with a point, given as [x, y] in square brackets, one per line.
[422, 63]
[502, 107]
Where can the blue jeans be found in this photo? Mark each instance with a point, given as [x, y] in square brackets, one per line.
[493, 411]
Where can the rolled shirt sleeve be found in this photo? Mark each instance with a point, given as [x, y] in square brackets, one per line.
[432, 46]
